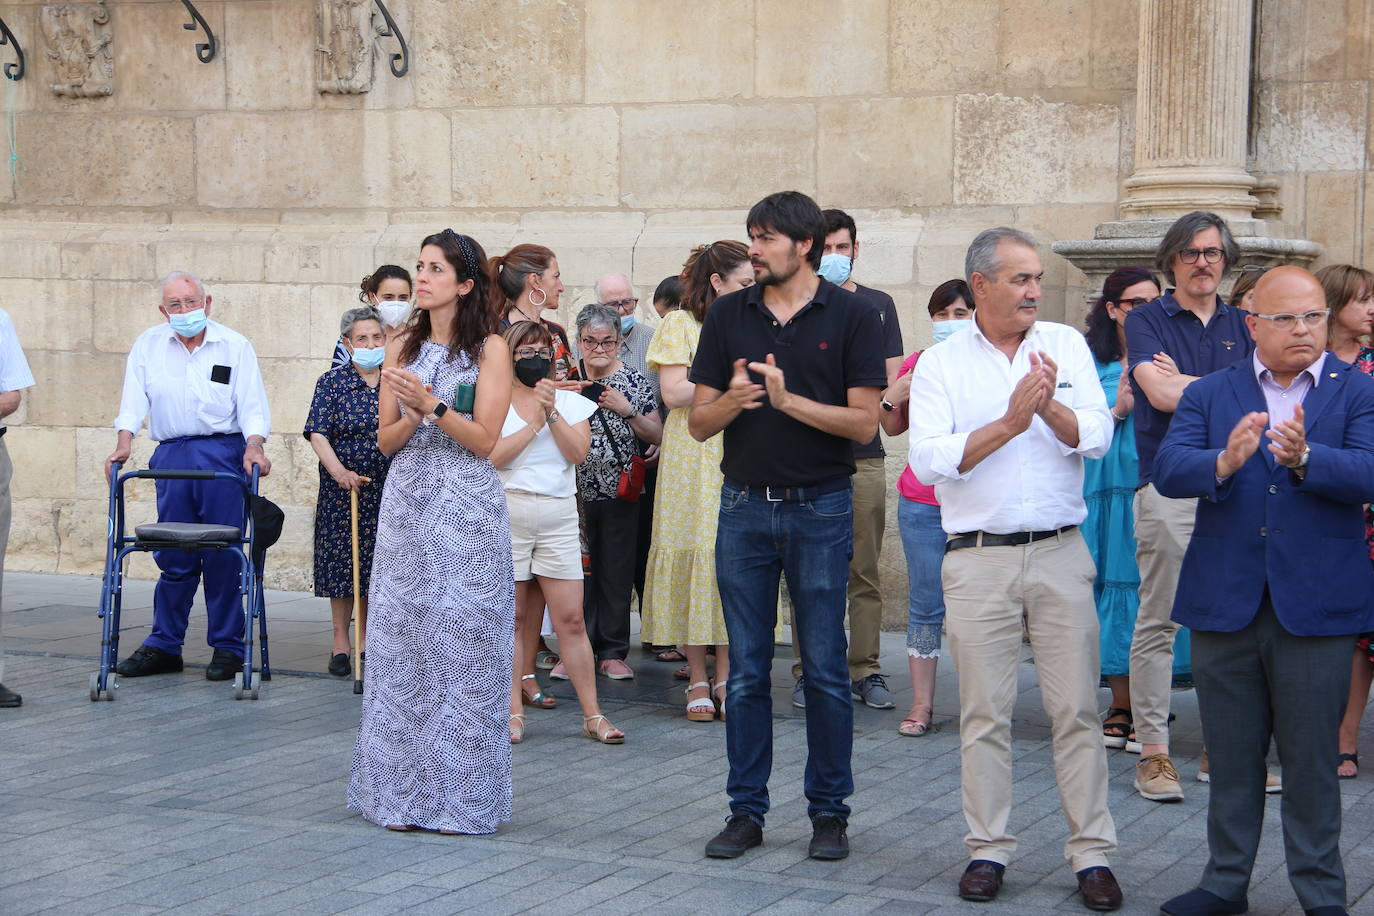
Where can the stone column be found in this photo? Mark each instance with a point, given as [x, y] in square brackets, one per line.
[1192, 106]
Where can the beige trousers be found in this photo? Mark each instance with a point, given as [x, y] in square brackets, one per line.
[6, 471]
[988, 591]
[1163, 527]
[864, 592]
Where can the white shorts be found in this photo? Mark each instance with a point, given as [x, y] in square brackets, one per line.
[543, 536]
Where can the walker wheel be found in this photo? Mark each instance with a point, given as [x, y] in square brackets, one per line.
[256, 685]
[111, 686]
[95, 686]
[239, 692]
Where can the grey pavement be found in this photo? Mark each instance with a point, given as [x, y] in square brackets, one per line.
[178, 798]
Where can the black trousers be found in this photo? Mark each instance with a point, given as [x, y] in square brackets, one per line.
[612, 531]
[1254, 684]
[646, 531]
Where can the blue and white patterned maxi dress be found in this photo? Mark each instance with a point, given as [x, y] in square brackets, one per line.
[433, 747]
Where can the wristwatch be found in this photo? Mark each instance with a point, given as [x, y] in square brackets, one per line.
[1306, 453]
[887, 405]
[553, 416]
[440, 409]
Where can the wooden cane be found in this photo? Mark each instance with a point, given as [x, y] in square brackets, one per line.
[357, 589]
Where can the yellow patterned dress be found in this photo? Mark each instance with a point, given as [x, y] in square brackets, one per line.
[681, 603]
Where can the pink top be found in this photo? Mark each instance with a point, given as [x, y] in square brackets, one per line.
[907, 484]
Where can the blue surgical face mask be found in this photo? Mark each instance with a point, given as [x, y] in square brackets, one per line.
[944, 329]
[369, 357]
[836, 268]
[189, 324]
[626, 322]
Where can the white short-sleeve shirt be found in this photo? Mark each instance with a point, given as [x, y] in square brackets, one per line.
[14, 367]
[541, 467]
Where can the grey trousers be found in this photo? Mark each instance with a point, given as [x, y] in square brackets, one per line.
[1254, 684]
[6, 472]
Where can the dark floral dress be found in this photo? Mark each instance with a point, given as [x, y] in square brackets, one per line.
[598, 477]
[344, 411]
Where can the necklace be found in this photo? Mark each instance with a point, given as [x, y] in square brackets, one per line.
[523, 315]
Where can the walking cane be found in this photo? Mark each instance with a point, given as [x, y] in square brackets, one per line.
[357, 589]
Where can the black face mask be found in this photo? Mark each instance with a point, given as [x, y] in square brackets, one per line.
[531, 369]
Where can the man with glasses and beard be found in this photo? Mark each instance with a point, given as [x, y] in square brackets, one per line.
[791, 370]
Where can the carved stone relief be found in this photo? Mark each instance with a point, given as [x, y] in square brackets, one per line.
[347, 48]
[78, 42]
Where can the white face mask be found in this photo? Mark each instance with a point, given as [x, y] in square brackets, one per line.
[393, 312]
[943, 329]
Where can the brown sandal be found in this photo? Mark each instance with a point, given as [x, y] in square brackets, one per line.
[606, 733]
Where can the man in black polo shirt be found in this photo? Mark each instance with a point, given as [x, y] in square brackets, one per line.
[1171, 342]
[785, 505]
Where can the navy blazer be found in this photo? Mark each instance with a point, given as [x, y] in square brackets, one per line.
[1304, 538]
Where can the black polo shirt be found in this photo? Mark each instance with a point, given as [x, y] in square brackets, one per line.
[832, 344]
[892, 347]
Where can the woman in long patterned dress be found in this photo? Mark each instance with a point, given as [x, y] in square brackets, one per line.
[681, 604]
[342, 429]
[432, 749]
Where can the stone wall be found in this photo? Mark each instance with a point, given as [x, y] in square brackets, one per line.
[618, 132]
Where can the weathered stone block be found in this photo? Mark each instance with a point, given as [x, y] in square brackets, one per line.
[108, 254]
[715, 155]
[124, 309]
[327, 306]
[548, 157]
[1334, 213]
[1039, 46]
[1116, 32]
[270, 38]
[1017, 150]
[271, 315]
[500, 52]
[214, 255]
[97, 160]
[33, 536]
[99, 379]
[647, 51]
[844, 47]
[44, 462]
[93, 446]
[587, 245]
[945, 45]
[869, 155]
[155, 63]
[49, 314]
[1313, 127]
[290, 385]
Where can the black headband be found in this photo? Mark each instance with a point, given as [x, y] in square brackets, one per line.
[465, 246]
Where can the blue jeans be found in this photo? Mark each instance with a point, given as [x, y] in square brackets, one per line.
[923, 540]
[810, 543]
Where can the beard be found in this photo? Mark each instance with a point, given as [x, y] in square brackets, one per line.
[775, 277]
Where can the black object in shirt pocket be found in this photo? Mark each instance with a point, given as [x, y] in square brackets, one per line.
[219, 374]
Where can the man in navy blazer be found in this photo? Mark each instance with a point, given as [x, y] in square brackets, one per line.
[1275, 585]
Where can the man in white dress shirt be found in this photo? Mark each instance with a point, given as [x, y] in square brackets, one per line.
[14, 376]
[1010, 407]
[197, 383]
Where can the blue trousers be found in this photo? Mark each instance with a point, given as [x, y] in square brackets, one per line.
[213, 502]
[810, 543]
[923, 540]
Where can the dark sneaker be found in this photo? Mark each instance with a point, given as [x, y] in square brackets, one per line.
[148, 660]
[740, 834]
[873, 691]
[829, 838]
[9, 699]
[339, 665]
[223, 666]
[799, 693]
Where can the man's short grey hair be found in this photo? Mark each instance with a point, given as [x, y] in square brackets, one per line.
[981, 257]
[596, 317]
[181, 275]
[355, 315]
[596, 287]
[1180, 236]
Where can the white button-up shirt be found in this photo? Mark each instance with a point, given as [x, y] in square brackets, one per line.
[1035, 481]
[14, 367]
[217, 388]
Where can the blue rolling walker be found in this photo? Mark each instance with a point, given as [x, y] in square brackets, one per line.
[192, 538]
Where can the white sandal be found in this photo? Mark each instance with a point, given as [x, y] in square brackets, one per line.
[702, 709]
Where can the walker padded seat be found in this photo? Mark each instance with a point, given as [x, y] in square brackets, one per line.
[189, 536]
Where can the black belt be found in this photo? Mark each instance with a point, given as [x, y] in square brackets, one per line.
[1017, 539]
[792, 494]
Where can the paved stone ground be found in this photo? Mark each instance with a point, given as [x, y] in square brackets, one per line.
[175, 797]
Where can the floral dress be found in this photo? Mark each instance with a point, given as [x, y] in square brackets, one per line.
[681, 603]
[344, 411]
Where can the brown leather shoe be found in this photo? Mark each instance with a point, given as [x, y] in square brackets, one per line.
[1099, 888]
[981, 881]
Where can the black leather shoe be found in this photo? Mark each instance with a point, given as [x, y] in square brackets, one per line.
[148, 660]
[981, 881]
[1099, 888]
[9, 699]
[829, 839]
[1198, 902]
[740, 834]
[223, 666]
[339, 665]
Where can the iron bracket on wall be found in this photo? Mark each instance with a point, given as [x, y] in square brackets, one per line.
[392, 30]
[205, 50]
[12, 70]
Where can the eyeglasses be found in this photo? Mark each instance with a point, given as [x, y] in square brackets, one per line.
[527, 352]
[1286, 322]
[1190, 255]
[620, 304]
[183, 305]
[1131, 303]
[608, 345]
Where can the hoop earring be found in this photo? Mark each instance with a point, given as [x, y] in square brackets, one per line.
[543, 297]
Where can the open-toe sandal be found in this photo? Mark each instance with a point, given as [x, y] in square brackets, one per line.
[720, 693]
[1114, 734]
[914, 727]
[671, 654]
[604, 732]
[517, 728]
[701, 709]
[1348, 758]
[540, 699]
